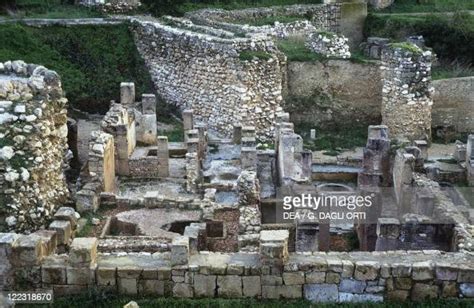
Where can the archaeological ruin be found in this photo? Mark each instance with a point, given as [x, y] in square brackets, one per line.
[241, 207]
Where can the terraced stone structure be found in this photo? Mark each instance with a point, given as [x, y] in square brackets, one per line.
[33, 145]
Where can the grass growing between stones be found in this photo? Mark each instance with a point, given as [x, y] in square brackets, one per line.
[248, 55]
[91, 60]
[100, 301]
[269, 20]
[428, 6]
[50, 9]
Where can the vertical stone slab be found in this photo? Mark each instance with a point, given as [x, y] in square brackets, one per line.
[102, 159]
[127, 93]
[407, 92]
[163, 156]
[470, 160]
[237, 133]
[188, 121]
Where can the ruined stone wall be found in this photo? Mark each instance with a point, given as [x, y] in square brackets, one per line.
[33, 144]
[407, 92]
[204, 73]
[318, 277]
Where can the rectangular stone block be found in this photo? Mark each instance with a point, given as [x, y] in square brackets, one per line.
[151, 287]
[180, 250]
[321, 293]
[27, 250]
[63, 230]
[66, 214]
[50, 240]
[366, 270]
[53, 274]
[315, 277]
[127, 286]
[252, 286]
[183, 290]
[204, 285]
[80, 275]
[83, 251]
[296, 278]
[107, 276]
[127, 93]
[229, 286]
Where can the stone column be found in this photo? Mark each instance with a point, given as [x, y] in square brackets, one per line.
[127, 93]
[407, 92]
[102, 159]
[192, 172]
[163, 157]
[188, 119]
[470, 160]
[250, 216]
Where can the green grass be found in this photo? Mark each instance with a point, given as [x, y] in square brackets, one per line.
[248, 55]
[295, 50]
[453, 69]
[112, 302]
[449, 36]
[429, 6]
[333, 141]
[51, 9]
[407, 46]
[240, 4]
[176, 134]
[269, 20]
[90, 68]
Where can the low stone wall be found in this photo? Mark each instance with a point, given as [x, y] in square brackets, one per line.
[340, 92]
[318, 277]
[453, 104]
[204, 73]
[33, 145]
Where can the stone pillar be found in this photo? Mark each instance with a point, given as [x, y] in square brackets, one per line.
[148, 127]
[388, 231]
[122, 150]
[202, 136]
[163, 157]
[248, 158]
[102, 159]
[237, 135]
[127, 93]
[470, 160]
[192, 172]
[250, 217]
[407, 92]
[274, 247]
[403, 168]
[188, 119]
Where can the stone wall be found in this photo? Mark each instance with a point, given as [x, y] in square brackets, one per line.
[270, 274]
[33, 145]
[196, 70]
[407, 92]
[337, 92]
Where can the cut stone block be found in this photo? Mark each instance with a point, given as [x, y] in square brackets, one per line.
[83, 251]
[63, 230]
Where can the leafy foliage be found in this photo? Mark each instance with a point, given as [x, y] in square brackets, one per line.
[91, 60]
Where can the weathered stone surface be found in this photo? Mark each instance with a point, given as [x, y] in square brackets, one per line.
[359, 298]
[83, 251]
[127, 286]
[151, 287]
[204, 285]
[106, 276]
[252, 286]
[422, 271]
[321, 293]
[229, 286]
[366, 270]
[182, 290]
[467, 289]
[27, 250]
[423, 292]
[352, 286]
[293, 278]
[315, 277]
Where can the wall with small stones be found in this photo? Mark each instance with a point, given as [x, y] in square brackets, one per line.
[202, 72]
[318, 277]
[33, 145]
[112, 6]
[329, 45]
[407, 92]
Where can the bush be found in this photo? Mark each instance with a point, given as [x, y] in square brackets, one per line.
[450, 37]
[90, 68]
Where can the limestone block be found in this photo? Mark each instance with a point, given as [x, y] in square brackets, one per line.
[151, 287]
[67, 214]
[403, 283]
[449, 289]
[293, 278]
[397, 295]
[352, 286]
[87, 200]
[252, 286]
[204, 285]
[466, 275]
[422, 271]
[229, 286]
[83, 251]
[315, 277]
[80, 275]
[423, 292]
[27, 250]
[321, 293]
[63, 230]
[467, 289]
[50, 241]
[127, 286]
[107, 276]
[359, 298]
[149, 104]
[347, 269]
[182, 290]
[180, 250]
[274, 244]
[445, 271]
[53, 274]
[401, 270]
[366, 270]
[127, 93]
[388, 228]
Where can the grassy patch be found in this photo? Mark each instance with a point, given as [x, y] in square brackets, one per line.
[269, 20]
[176, 133]
[449, 36]
[332, 141]
[239, 4]
[87, 229]
[429, 6]
[50, 9]
[407, 46]
[249, 55]
[90, 68]
[295, 50]
[101, 300]
[453, 69]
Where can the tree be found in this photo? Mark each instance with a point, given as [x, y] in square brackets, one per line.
[163, 7]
